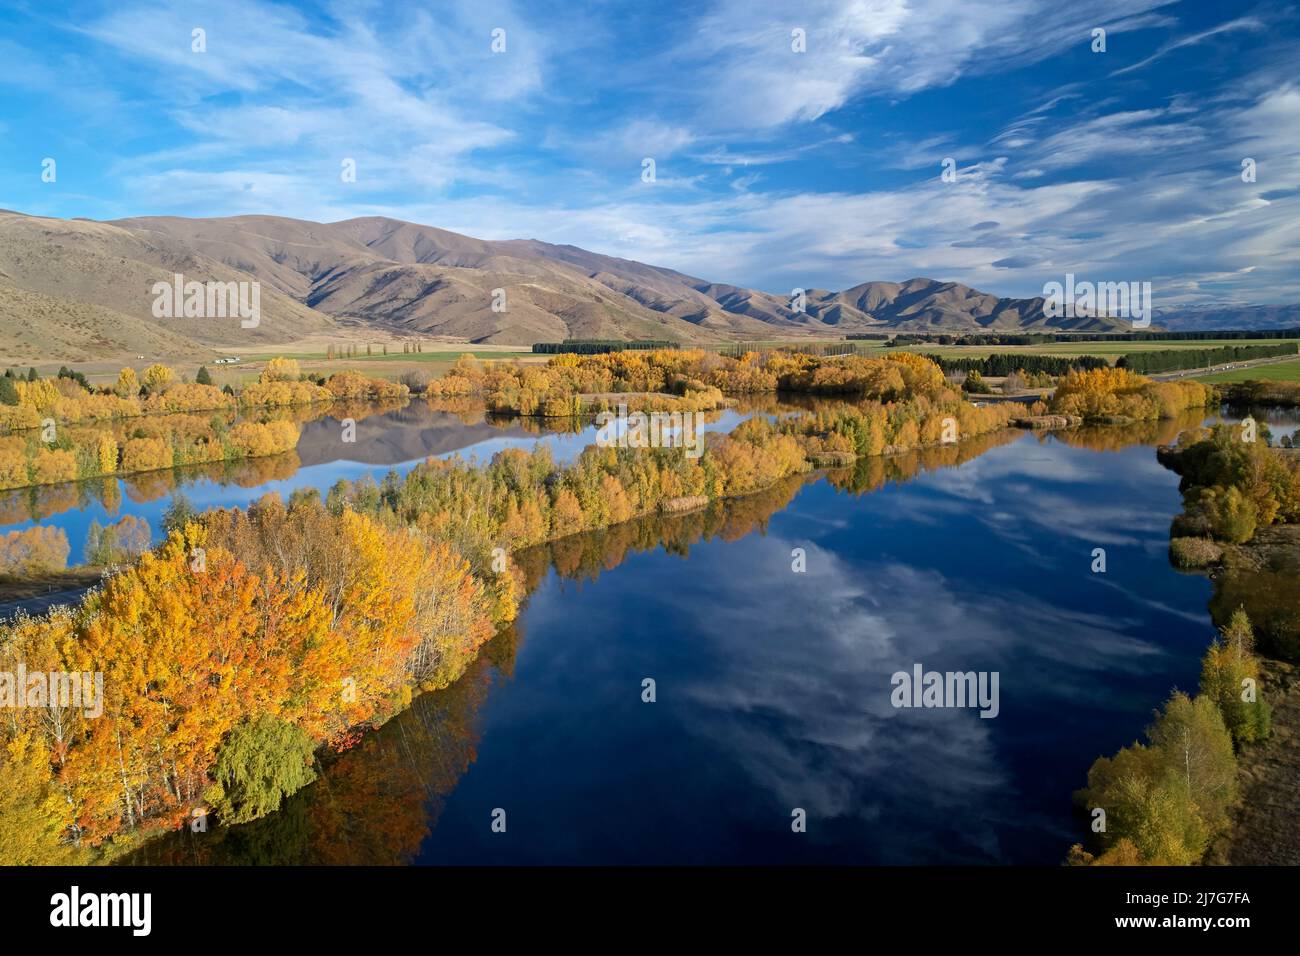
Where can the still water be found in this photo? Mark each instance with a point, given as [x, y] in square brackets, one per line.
[773, 687]
[389, 441]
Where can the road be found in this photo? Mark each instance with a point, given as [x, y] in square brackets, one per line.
[41, 603]
[1194, 372]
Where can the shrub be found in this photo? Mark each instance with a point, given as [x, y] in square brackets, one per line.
[1194, 552]
[1232, 515]
[416, 380]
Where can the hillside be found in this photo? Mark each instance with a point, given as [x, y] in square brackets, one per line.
[77, 290]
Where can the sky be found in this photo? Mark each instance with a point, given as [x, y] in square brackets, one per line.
[793, 144]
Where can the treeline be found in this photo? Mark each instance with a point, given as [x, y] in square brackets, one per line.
[570, 385]
[1166, 800]
[1167, 360]
[1162, 802]
[150, 444]
[64, 432]
[1000, 365]
[30, 402]
[601, 346]
[1258, 392]
[823, 349]
[38, 502]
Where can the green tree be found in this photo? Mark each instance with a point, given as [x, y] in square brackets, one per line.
[259, 764]
[1230, 677]
[1168, 797]
[99, 545]
[180, 513]
[1233, 516]
[8, 391]
[1194, 745]
[203, 377]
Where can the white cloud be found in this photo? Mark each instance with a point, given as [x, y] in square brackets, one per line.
[895, 47]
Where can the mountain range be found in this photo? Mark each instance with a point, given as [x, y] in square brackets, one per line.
[79, 290]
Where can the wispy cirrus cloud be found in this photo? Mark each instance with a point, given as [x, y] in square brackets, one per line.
[775, 168]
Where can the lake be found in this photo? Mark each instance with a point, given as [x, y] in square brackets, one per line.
[773, 687]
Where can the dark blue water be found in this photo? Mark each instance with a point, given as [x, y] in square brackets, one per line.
[773, 687]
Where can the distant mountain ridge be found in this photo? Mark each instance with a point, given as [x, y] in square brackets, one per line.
[79, 289]
[1205, 318]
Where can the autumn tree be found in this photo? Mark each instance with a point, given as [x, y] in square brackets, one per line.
[128, 384]
[280, 369]
[157, 378]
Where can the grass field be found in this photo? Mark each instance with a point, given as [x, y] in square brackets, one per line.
[1110, 350]
[441, 355]
[433, 362]
[1277, 372]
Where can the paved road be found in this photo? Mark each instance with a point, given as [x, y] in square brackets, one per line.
[41, 603]
[1194, 372]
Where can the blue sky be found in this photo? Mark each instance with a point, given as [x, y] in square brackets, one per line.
[774, 168]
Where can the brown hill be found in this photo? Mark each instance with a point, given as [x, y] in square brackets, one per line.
[77, 289]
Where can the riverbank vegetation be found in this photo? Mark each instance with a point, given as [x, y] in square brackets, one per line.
[1233, 483]
[32, 402]
[60, 430]
[1284, 392]
[1162, 802]
[1110, 395]
[1168, 800]
[241, 623]
[684, 380]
